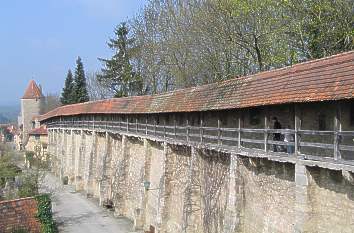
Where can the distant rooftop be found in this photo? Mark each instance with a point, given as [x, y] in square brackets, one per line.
[39, 131]
[32, 91]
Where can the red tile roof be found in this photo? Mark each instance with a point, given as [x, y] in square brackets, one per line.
[330, 78]
[32, 91]
[39, 131]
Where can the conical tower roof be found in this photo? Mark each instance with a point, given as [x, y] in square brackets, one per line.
[32, 91]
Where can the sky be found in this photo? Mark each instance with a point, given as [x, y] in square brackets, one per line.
[41, 40]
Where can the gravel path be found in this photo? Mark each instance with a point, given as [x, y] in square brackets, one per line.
[75, 214]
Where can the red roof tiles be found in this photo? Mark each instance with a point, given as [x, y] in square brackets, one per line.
[32, 91]
[330, 78]
[39, 131]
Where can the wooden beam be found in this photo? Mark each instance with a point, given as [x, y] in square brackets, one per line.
[164, 127]
[127, 123]
[219, 130]
[337, 127]
[155, 125]
[266, 126]
[297, 128]
[175, 125]
[239, 131]
[146, 122]
[187, 129]
[93, 122]
[201, 127]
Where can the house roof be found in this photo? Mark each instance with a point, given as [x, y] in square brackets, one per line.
[330, 78]
[39, 131]
[32, 91]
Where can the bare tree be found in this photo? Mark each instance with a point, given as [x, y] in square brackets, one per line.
[52, 101]
[97, 90]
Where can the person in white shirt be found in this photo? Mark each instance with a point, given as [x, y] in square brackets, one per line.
[289, 137]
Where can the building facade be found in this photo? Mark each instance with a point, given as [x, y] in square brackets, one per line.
[38, 142]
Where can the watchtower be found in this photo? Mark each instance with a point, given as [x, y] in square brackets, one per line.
[32, 104]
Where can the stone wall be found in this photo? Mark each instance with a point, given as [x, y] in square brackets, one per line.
[268, 195]
[198, 190]
[19, 214]
[331, 198]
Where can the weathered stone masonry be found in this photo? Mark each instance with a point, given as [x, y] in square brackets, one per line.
[199, 190]
[214, 170]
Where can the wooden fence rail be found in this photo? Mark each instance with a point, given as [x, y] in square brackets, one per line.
[219, 136]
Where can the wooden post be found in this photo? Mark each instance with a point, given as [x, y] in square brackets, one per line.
[337, 127]
[219, 130]
[155, 126]
[266, 127]
[127, 124]
[201, 127]
[239, 132]
[93, 122]
[164, 127]
[175, 125]
[187, 129]
[297, 128]
[146, 125]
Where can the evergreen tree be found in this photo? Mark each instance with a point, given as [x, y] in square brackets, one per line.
[68, 90]
[118, 73]
[80, 88]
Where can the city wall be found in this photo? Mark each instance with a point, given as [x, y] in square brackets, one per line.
[172, 188]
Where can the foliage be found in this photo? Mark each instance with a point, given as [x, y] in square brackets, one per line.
[29, 157]
[80, 93]
[118, 72]
[45, 215]
[67, 96]
[181, 43]
[28, 184]
[8, 170]
[52, 101]
[97, 90]
[323, 27]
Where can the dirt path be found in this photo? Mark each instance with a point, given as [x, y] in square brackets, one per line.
[75, 214]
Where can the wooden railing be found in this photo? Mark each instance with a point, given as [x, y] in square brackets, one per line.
[226, 137]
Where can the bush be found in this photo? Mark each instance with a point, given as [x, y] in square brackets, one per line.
[28, 185]
[45, 215]
[29, 157]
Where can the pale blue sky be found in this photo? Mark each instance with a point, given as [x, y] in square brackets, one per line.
[41, 39]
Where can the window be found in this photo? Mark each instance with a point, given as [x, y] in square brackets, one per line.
[37, 137]
[322, 122]
[254, 116]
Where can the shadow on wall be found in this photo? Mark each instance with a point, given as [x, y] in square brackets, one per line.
[283, 171]
[333, 180]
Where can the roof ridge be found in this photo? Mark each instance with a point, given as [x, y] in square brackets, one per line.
[32, 91]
